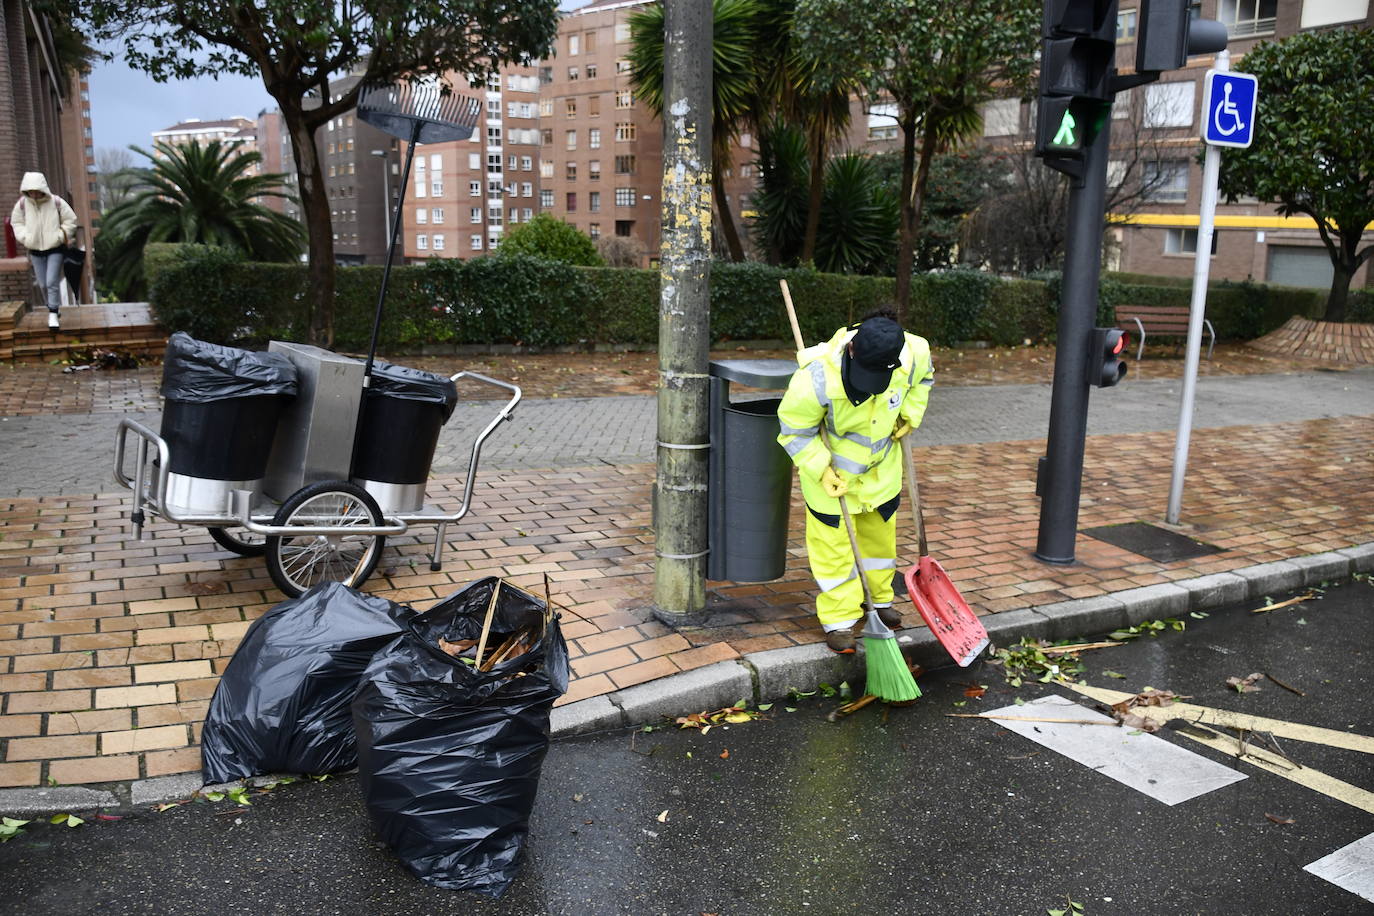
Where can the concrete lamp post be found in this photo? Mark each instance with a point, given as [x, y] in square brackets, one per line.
[386, 194]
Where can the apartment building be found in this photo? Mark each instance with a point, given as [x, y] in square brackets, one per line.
[1158, 125]
[235, 131]
[464, 194]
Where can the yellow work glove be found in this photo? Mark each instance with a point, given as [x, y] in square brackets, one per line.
[834, 486]
[900, 430]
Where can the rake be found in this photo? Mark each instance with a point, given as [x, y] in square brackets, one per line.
[426, 111]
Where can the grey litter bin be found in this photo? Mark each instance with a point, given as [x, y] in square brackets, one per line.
[750, 476]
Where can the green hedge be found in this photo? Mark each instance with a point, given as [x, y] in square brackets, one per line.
[519, 299]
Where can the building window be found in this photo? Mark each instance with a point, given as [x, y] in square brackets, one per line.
[625, 165]
[1249, 17]
[439, 243]
[624, 227]
[421, 215]
[624, 98]
[546, 108]
[1116, 172]
[493, 136]
[625, 197]
[594, 230]
[1330, 12]
[570, 171]
[349, 141]
[1125, 26]
[747, 170]
[1001, 118]
[475, 215]
[493, 241]
[574, 43]
[545, 75]
[526, 163]
[1166, 180]
[594, 138]
[475, 242]
[512, 163]
[436, 215]
[494, 164]
[571, 109]
[436, 187]
[572, 74]
[625, 130]
[474, 161]
[594, 170]
[622, 66]
[570, 139]
[494, 215]
[594, 201]
[546, 168]
[493, 108]
[545, 198]
[494, 188]
[514, 214]
[572, 201]
[622, 32]
[526, 189]
[527, 213]
[588, 42]
[350, 168]
[474, 189]
[1184, 241]
[1169, 105]
[546, 136]
[591, 71]
[422, 242]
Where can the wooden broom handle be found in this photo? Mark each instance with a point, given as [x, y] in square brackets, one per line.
[914, 492]
[825, 439]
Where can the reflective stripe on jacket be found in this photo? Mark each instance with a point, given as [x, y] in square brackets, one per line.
[865, 455]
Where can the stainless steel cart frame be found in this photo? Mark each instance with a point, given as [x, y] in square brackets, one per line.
[320, 531]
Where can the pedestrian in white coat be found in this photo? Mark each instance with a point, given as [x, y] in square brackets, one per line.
[44, 224]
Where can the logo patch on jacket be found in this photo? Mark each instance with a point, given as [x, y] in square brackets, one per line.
[894, 400]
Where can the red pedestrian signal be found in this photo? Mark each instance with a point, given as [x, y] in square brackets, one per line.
[1105, 367]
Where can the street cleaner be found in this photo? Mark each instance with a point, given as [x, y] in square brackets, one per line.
[869, 385]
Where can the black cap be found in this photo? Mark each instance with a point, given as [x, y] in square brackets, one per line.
[877, 351]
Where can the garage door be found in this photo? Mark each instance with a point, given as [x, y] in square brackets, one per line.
[1293, 266]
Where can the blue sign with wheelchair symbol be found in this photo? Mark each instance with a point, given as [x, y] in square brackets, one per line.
[1228, 108]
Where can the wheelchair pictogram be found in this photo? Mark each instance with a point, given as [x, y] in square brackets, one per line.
[1226, 117]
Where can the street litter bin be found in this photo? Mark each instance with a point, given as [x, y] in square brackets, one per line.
[219, 419]
[402, 412]
[750, 476]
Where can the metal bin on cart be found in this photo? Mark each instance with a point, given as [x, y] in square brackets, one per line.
[403, 410]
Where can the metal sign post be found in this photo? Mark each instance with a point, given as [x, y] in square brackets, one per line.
[1228, 109]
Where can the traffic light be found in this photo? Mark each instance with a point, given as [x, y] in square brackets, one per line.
[1105, 366]
[1077, 61]
[1168, 33]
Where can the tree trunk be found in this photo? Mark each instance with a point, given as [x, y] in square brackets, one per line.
[906, 223]
[725, 218]
[816, 143]
[918, 193]
[1340, 291]
[318, 226]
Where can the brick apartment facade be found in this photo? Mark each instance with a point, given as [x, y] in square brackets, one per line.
[1161, 238]
[45, 126]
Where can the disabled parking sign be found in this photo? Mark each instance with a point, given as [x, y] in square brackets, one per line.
[1228, 108]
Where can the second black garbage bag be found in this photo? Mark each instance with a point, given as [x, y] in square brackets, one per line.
[450, 746]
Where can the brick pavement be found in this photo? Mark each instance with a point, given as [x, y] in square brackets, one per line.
[110, 650]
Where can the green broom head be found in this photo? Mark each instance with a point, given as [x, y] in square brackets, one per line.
[889, 679]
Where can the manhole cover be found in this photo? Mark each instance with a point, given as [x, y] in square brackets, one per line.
[1159, 544]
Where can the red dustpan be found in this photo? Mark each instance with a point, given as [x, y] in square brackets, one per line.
[936, 599]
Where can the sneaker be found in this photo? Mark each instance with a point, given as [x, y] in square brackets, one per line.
[841, 642]
[52, 321]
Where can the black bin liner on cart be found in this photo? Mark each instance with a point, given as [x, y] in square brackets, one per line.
[448, 756]
[402, 412]
[222, 407]
[282, 705]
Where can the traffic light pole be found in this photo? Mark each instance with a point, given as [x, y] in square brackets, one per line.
[1062, 470]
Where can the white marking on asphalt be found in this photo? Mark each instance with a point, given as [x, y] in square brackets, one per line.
[1351, 868]
[1143, 762]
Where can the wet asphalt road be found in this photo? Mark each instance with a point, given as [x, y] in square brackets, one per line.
[908, 812]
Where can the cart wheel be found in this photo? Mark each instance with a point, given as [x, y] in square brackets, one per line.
[240, 541]
[297, 563]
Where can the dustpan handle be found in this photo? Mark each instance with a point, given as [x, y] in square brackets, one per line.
[914, 492]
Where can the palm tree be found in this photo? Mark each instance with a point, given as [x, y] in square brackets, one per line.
[733, 86]
[203, 194]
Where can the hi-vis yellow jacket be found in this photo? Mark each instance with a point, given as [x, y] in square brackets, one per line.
[865, 456]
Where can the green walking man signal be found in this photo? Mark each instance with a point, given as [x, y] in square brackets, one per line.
[1064, 136]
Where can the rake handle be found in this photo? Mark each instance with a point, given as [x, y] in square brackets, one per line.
[825, 440]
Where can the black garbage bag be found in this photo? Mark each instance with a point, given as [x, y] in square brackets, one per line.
[282, 705]
[197, 372]
[449, 756]
[407, 384]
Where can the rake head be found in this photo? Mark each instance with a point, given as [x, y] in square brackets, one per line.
[420, 112]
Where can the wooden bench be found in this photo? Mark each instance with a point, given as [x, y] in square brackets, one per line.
[1160, 320]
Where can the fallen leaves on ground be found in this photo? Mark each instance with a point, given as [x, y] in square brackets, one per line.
[1271, 606]
[1279, 819]
[975, 690]
[1150, 697]
[730, 715]
[1245, 684]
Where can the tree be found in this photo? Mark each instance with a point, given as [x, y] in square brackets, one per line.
[297, 47]
[960, 182]
[620, 251]
[203, 194]
[553, 240]
[113, 176]
[1311, 154]
[936, 63]
[733, 86]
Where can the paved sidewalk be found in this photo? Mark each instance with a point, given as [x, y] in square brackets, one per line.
[110, 650]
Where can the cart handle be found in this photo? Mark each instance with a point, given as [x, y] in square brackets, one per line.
[163, 455]
[504, 414]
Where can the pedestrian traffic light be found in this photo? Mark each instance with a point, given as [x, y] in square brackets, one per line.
[1105, 366]
[1077, 60]
[1168, 33]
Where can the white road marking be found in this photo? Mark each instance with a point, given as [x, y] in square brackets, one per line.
[1143, 762]
[1351, 868]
